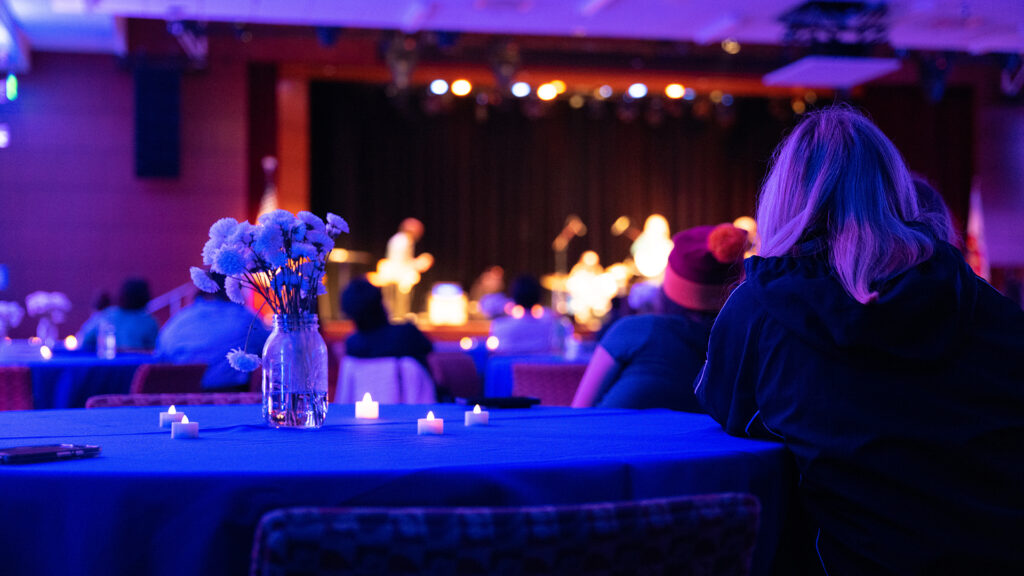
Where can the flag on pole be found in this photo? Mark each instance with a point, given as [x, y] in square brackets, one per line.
[268, 202]
[977, 249]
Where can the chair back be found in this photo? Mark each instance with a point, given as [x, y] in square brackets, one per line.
[256, 380]
[553, 384]
[388, 380]
[455, 375]
[16, 388]
[708, 535]
[116, 400]
[167, 378]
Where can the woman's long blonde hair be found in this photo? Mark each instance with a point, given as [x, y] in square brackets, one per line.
[837, 178]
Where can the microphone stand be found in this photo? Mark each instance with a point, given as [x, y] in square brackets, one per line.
[573, 227]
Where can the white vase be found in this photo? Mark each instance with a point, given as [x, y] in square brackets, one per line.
[47, 331]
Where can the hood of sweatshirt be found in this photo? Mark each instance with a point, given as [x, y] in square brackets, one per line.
[920, 313]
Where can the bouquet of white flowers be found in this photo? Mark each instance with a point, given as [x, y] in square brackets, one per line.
[52, 304]
[50, 307]
[283, 258]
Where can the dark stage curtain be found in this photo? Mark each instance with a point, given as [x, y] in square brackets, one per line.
[935, 138]
[497, 189]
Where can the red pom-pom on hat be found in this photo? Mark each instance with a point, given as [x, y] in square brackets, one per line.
[727, 243]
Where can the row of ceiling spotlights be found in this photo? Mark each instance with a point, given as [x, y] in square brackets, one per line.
[551, 90]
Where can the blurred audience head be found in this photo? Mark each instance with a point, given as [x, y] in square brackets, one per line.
[101, 300]
[363, 303]
[134, 294]
[935, 213]
[221, 293]
[704, 265]
[413, 227]
[644, 298]
[526, 291]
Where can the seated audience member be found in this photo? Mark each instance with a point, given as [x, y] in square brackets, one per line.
[863, 341]
[619, 310]
[100, 302]
[375, 336]
[490, 281]
[651, 360]
[206, 331]
[134, 328]
[528, 327]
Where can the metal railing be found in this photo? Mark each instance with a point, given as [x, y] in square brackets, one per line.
[174, 300]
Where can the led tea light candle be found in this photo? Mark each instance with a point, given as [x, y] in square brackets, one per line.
[172, 415]
[367, 408]
[184, 429]
[477, 417]
[430, 425]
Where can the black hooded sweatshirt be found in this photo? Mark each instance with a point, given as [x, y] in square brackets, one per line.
[905, 416]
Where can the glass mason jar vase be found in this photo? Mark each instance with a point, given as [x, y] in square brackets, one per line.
[295, 373]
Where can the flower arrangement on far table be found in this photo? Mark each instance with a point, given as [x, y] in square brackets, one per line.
[52, 304]
[50, 307]
[11, 314]
[282, 258]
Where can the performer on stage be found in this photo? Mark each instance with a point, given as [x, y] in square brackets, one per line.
[400, 271]
[651, 248]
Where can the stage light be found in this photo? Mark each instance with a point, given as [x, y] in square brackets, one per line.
[746, 223]
[461, 87]
[715, 96]
[638, 90]
[559, 85]
[731, 46]
[727, 99]
[521, 89]
[547, 91]
[492, 343]
[5, 136]
[690, 94]
[439, 87]
[620, 226]
[605, 91]
[675, 91]
[577, 101]
[466, 343]
[799, 107]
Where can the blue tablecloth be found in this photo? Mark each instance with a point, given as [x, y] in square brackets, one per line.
[68, 381]
[156, 506]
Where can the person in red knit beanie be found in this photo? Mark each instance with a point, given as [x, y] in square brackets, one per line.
[651, 360]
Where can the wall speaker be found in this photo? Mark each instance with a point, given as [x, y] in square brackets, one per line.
[157, 122]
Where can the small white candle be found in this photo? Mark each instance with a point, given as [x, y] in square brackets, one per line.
[367, 408]
[184, 429]
[172, 415]
[430, 425]
[477, 417]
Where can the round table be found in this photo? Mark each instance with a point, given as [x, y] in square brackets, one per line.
[154, 505]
